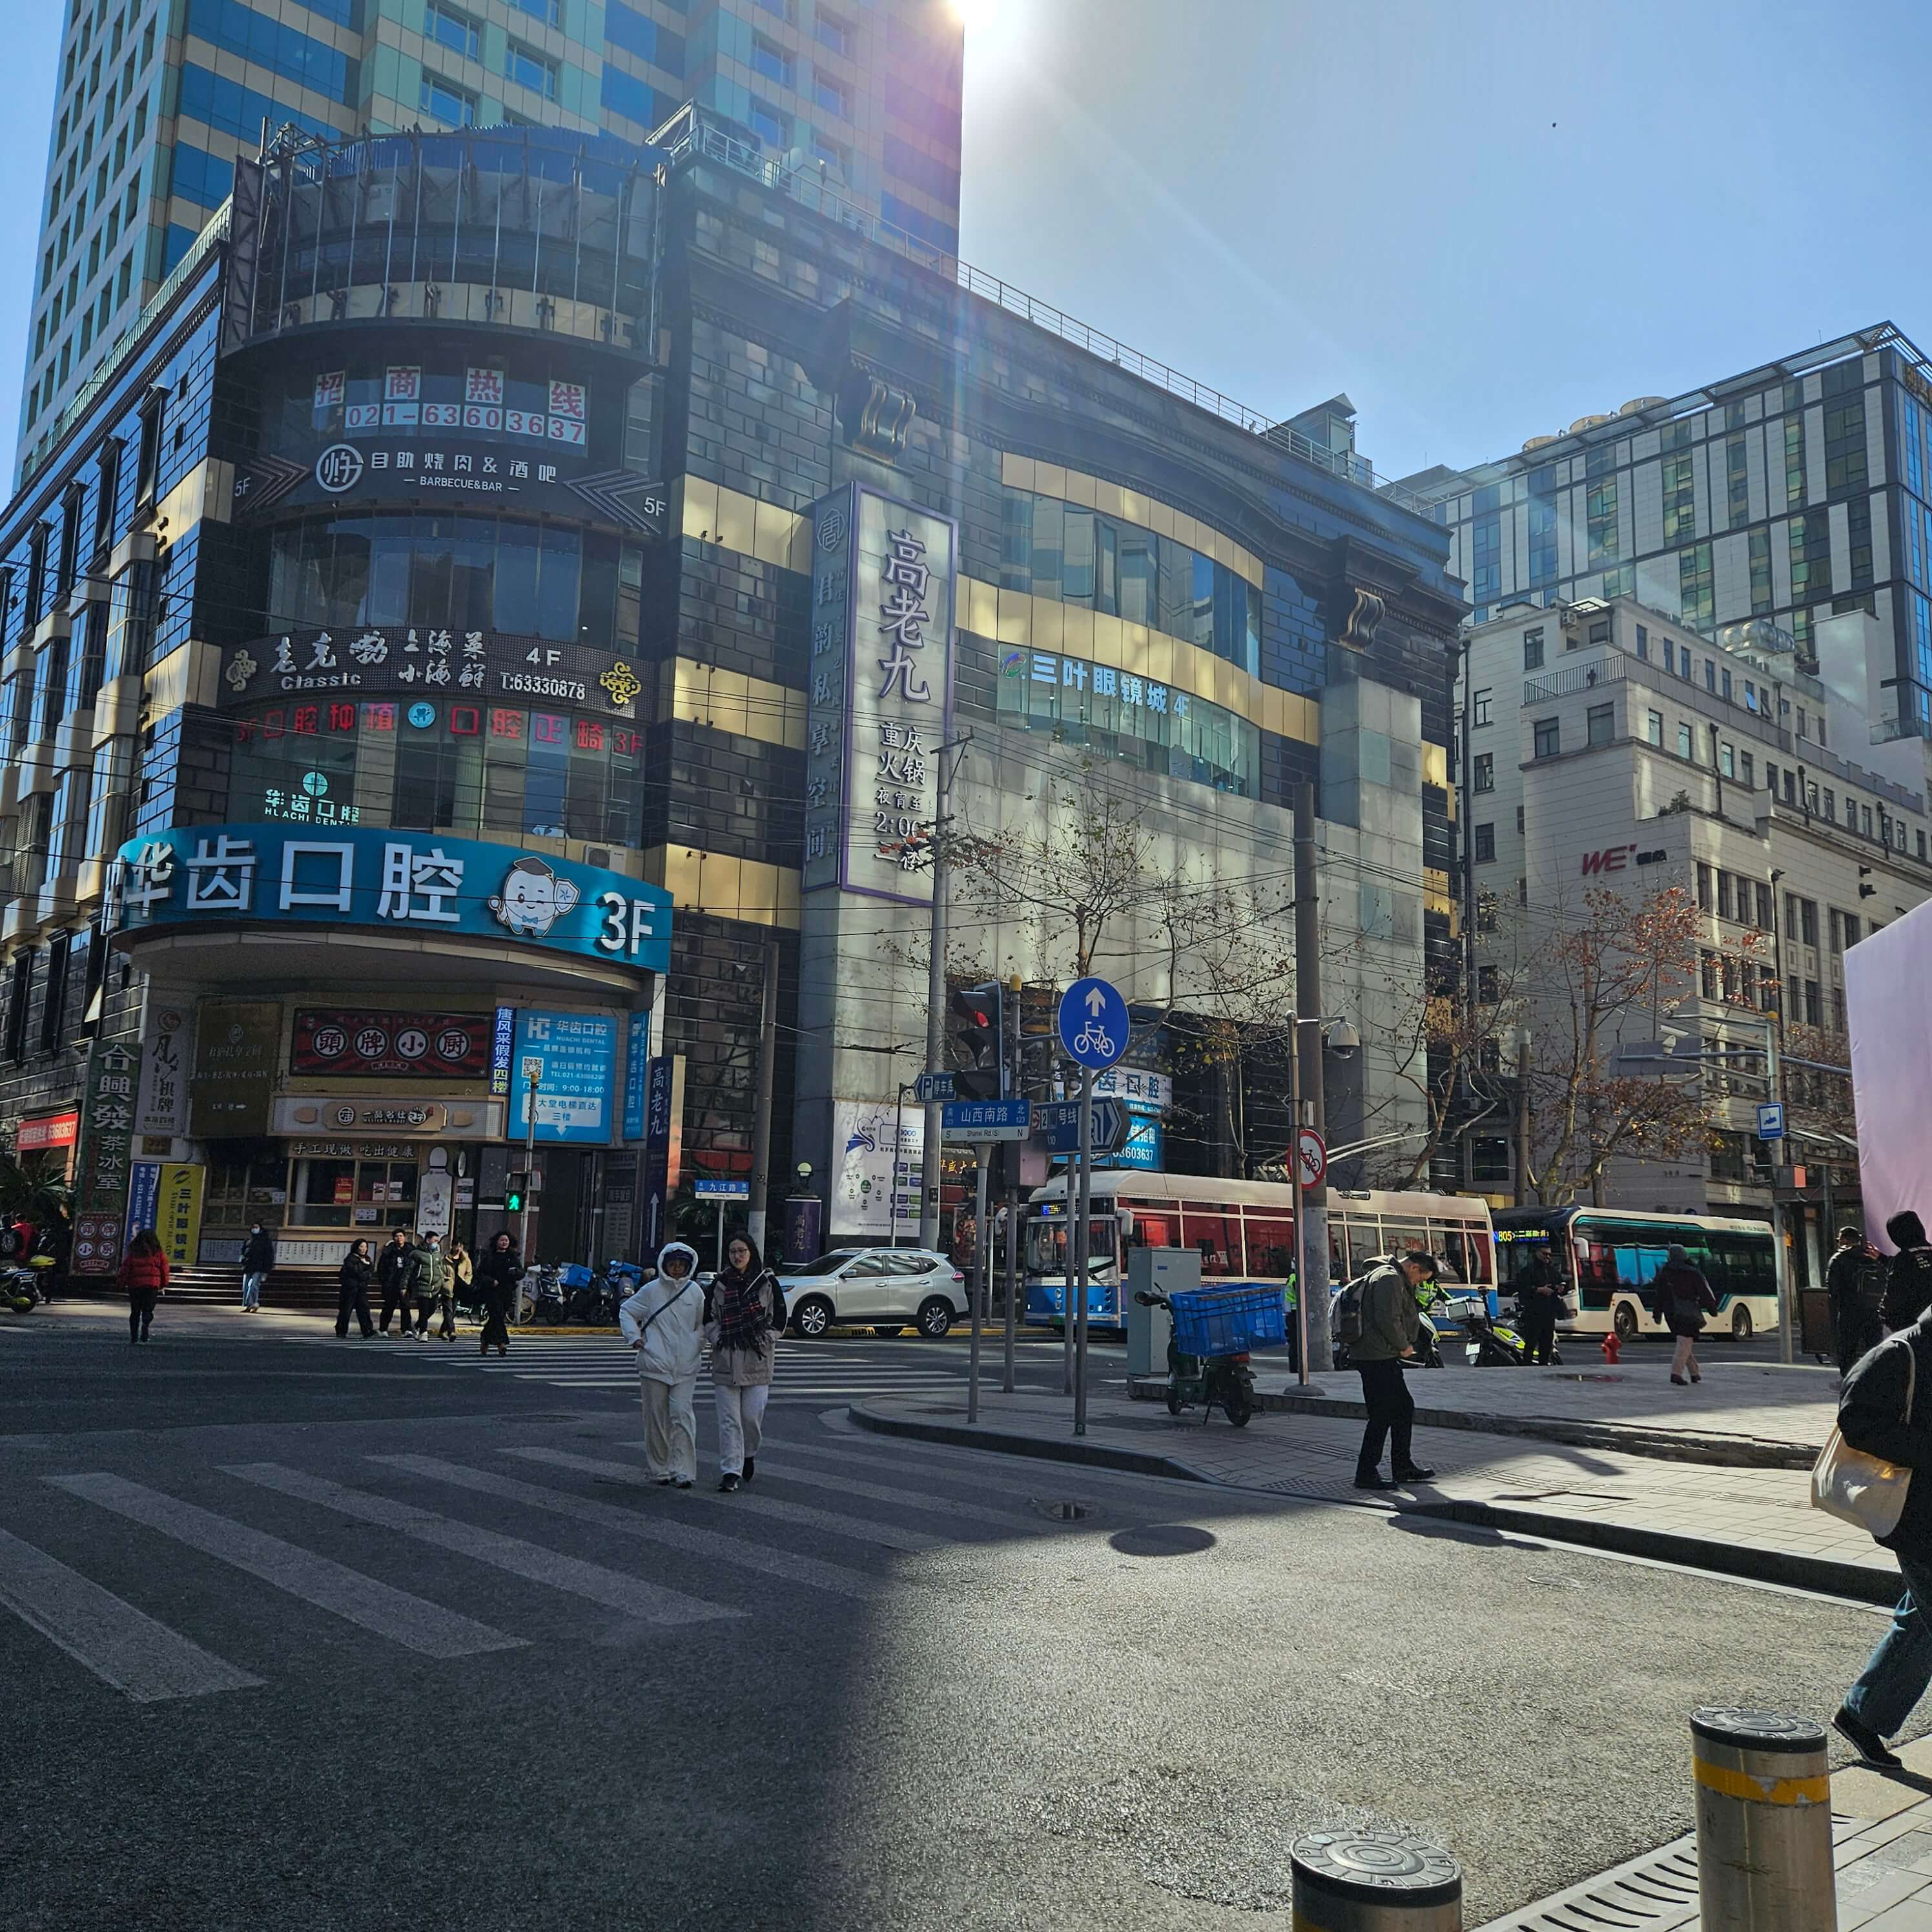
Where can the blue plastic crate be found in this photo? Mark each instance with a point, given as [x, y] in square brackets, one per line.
[1232, 1321]
[576, 1275]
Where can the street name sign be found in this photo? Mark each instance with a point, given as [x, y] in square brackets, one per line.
[975, 1120]
[1059, 1122]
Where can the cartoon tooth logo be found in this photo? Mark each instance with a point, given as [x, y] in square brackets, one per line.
[534, 898]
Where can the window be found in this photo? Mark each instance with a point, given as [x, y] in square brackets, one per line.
[1747, 770]
[1760, 572]
[1643, 643]
[1484, 771]
[524, 67]
[831, 31]
[1725, 905]
[767, 123]
[1485, 844]
[830, 95]
[1532, 649]
[1727, 761]
[550, 12]
[1600, 632]
[1479, 707]
[1696, 587]
[1680, 499]
[1548, 737]
[1600, 722]
[1765, 921]
[1724, 686]
[1488, 987]
[447, 103]
[1830, 805]
[448, 29]
[1705, 902]
[1814, 1006]
[1686, 743]
[1653, 727]
[771, 60]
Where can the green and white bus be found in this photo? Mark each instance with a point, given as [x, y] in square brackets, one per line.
[1606, 1258]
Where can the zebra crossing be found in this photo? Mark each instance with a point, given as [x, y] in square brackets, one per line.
[834, 1515]
[810, 1372]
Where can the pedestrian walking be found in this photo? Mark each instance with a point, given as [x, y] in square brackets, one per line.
[462, 1276]
[1854, 1282]
[663, 1321]
[428, 1277]
[1908, 1276]
[501, 1269]
[258, 1262]
[1539, 1301]
[144, 1274]
[1391, 1326]
[353, 1277]
[1681, 1298]
[391, 1265]
[744, 1315]
[1885, 1408]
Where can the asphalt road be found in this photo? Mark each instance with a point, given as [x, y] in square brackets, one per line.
[400, 1640]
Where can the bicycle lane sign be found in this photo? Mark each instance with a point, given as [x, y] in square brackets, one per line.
[1093, 1023]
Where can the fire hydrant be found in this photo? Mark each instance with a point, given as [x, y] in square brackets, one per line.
[1612, 1344]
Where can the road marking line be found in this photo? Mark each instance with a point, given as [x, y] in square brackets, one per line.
[123, 1646]
[412, 1621]
[648, 1602]
[707, 1543]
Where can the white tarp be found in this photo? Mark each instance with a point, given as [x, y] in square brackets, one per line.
[1888, 1004]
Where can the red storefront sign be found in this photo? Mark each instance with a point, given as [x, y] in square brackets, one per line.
[392, 1045]
[49, 1130]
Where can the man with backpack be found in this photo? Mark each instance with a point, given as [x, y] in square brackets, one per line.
[1908, 1279]
[1855, 1283]
[1379, 1320]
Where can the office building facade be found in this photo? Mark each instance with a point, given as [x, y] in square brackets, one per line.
[157, 99]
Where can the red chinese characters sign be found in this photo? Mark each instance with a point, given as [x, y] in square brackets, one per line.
[394, 1045]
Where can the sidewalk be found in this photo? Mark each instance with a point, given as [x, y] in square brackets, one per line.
[1753, 1522]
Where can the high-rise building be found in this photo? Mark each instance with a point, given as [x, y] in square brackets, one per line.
[157, 98]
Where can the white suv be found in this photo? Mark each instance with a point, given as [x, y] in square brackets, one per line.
[884, 1289]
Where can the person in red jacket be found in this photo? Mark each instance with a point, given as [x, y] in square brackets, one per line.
[144, 1274]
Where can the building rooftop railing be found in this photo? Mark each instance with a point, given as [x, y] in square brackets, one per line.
[698, 138]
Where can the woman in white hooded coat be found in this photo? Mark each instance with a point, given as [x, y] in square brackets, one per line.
[663, 1322]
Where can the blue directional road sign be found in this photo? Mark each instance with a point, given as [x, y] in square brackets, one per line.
[932, 1087]
[1093, 1025]
[1771, 1121]
[1059, 1121]
[987, 1120]
[722, 1190]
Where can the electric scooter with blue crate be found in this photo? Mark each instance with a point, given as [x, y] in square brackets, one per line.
[1214, 1330]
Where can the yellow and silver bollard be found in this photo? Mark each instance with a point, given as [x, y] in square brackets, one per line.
[1349, 1881]
[1764, 1823]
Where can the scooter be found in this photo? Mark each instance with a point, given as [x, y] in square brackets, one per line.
[541, 1297]
[21, 1289]
[1215, 1381]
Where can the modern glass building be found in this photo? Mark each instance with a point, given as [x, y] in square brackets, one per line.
[158, 98]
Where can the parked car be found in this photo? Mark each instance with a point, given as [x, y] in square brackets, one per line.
[883, 1289]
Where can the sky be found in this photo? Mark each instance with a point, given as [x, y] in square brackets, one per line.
[1480, 219]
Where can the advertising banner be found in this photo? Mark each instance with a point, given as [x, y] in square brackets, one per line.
[144, 1188]
[636, 1075]
[177, 1216]
[576, 1054]
[654, 1177]
[420, 882]
[161, 1108]
[865, 1188]
[101, 1173]
[404, 1045]
[238, 1048]
[41, 1131]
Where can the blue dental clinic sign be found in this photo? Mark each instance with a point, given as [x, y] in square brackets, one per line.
[418, 882]
[575, 1056]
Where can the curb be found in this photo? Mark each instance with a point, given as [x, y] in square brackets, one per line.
[1044, 1448]
[1738, 1452]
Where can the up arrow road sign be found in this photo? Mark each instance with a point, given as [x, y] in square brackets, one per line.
[1093, 1023]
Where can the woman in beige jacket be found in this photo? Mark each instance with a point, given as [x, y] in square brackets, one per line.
[744, 1314]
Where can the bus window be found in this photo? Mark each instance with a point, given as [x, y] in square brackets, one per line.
[1404, 1237]
[1216, 1235]
[1156, 1231]
[1271, 1247]
[1446, 1244]
[1364, 1243]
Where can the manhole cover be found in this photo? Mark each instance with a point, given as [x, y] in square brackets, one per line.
[1060, 1512]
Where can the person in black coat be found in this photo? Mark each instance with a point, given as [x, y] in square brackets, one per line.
[1539, 1301]
[391, 1277]
[1908, 1277]
[1683, 1297]
[357, 1271]
[1849, 1281]
[258, 1263]
[498, 1271]
[1885, 1409]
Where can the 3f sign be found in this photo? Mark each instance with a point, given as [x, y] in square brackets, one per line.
[627, 923]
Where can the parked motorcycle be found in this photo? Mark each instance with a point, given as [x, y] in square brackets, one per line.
[541, 1296]
[23, 1288]
[1216, 1381]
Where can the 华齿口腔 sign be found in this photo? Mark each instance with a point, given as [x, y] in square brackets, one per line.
[420, 882]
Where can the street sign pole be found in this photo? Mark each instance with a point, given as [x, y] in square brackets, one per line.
[981, 1239]
[1086, 1202]
[533, 1073]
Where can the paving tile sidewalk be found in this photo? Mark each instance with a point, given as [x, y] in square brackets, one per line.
[1753, 1522]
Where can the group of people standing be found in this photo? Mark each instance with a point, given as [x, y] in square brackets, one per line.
[419, 1279]
[670, 1322]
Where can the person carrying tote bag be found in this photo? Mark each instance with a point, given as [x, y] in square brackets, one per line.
[1870, 1473]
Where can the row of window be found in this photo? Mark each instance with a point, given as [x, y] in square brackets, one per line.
[1732, 895]
[62, 1018]
[1058, 551]
[523, 67]
[312, 63]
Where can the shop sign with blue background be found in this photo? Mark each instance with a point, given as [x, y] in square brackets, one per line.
[576, 1055]
[395, 881]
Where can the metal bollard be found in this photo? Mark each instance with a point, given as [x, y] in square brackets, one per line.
[1764, 1823]
[1349, 1881]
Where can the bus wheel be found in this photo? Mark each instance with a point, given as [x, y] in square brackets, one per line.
[1625, 1322]
[1741, 1325]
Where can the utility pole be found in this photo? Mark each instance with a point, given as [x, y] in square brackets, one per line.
[935, 1004]
[761, 1120]
[982, 1273]
[1774, 1067]
[1016, 1064]
[1311, 1228]
[1522, 1048]
[1466, 1150]
[1080, 1251]
[1298, 1195]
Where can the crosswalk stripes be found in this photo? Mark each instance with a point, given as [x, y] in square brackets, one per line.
[123, 1646]
[834, 1577]
[648, 1602]
[414, 1622]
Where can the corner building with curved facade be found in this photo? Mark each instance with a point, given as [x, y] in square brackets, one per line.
[502, 607]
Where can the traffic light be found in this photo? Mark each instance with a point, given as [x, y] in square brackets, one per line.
[516, 1190]
[976, 1037]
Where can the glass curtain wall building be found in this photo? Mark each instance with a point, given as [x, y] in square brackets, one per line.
[156, 99]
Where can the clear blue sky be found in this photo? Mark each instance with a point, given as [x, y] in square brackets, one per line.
[1287, 198]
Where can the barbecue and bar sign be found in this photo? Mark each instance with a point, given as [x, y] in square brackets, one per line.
[391, 1046]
